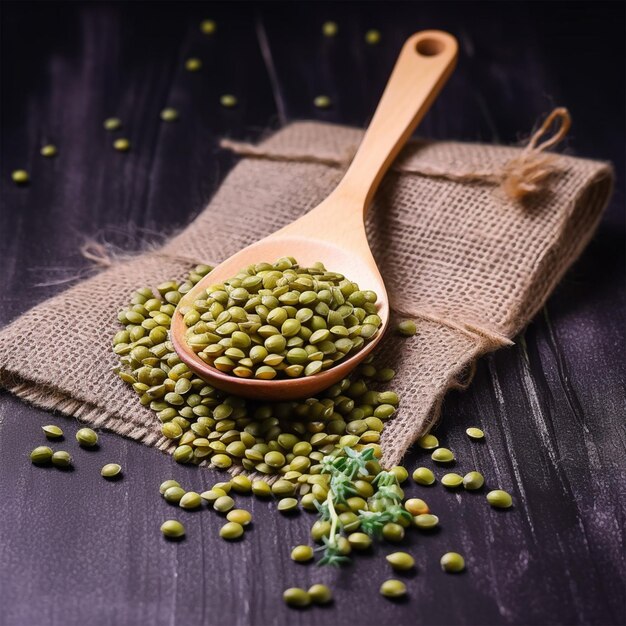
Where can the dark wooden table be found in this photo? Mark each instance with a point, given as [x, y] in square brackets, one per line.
[75, 551]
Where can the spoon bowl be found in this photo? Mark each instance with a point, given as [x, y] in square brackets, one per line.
[334, 231]
[308, 252]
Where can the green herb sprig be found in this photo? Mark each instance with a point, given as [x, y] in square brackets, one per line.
[383, 507]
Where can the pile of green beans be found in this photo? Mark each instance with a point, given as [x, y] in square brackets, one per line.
[285, 438]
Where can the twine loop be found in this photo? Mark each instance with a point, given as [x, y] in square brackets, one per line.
[528, 173]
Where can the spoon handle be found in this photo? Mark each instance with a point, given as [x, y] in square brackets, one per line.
[423, 67]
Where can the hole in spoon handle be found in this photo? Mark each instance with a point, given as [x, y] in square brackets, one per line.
[423, 67]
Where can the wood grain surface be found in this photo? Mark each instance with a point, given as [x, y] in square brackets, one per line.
[75, 549]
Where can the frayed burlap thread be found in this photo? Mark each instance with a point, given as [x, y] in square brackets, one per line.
[469, 262]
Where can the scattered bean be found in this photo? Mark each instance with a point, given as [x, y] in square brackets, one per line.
[112, 123]
[372, 37]
[173, 529]
[208, 27]
[407, 328]
[473, 481]
[61, 459]
[428, 442]
[424, 476]
[48, 151]
[52, 432]
[393, 589]
[20, 177]
[400, 561]
[302, 554]
[329, 29]
[231, 530]
[320, 594]
[191, 500]
[452, 480]
[193, 64]
[442, 455]
[499, 499]
[111, 470]
[296, 597]
[475, 433]
[426, 521]
[452, 562]
[122, 144]
[87, 438]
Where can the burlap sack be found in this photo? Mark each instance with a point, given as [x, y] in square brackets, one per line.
[469, 264]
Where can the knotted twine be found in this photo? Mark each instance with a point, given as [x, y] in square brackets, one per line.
[470, 239]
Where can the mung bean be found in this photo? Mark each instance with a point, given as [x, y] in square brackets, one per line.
[329, 29]
[173, 495]
[111, 470]
[424, 476]
[41, 455]
[452, 480]
[240, 516]
[223, 504]
[48, 150]
[393, 589]
[426, 521]
[20, 177]
[287, 505]
[473, 480]
[428, 442]
[349, 521]
[400, 473]
[475, 433]
[112, 123]
[283, 487]
[212, 495]
[173, 529]
[452, 562]
[228, 101]
[393, 532]
[442, 455]
[87, 438]
[164, 486]
[296, 597]
[122, 144]
[499, 499]
[191, 500]
[241, 484]
[169, 114]
[223, 486]
[231, 530]
[320, 529]
[61, 459]
[261, 489]
[183, 454]
[302, 554]
[416, 506]
[52, 432]
[193, 64]
[400, 561]
[407, 328]
[359, 541]
[208, 27]
[322, 102]
[320, 594]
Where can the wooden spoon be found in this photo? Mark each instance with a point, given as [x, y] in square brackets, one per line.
[334, 232]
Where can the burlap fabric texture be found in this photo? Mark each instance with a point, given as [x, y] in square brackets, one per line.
[471, 265]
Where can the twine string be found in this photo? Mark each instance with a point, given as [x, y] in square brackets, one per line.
[525, 174]
[559, 115]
